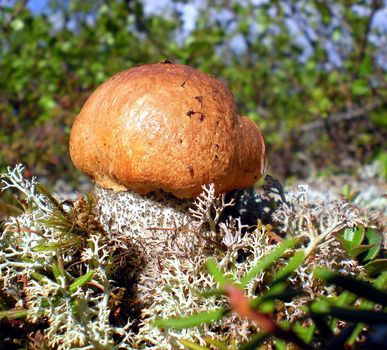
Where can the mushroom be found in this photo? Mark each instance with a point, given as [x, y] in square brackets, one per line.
[151, 136]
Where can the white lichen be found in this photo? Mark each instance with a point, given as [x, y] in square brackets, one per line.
[149, 252]
[43, 276]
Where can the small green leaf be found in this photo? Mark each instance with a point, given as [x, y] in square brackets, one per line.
[47, 247]
[304, 332]
[319, 307]
[39, 277]
[346, 298]
[191, 321]
[267, 307]
[81, 281]
[55, 271]
[219, 345]
[279, 344]
[357, 250]
[376, 266]
[290, 267]
[352, 237]
[381, 281]
[192, 346]
[215, 272]
[267, 261]
[13, 314]
[254, 342]
[358, 329]
[374, 239]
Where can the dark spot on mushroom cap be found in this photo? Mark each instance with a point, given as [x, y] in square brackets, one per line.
[202, 116]
[199, 99]
[183, 83]
[190, 112]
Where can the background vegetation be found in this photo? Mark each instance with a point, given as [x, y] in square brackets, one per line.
[311, 73]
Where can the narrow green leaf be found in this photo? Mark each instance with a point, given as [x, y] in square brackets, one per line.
[55, 271]
[13, 314]
[304, 332]
[192, 346]
[46, 247]
[346, 298]
[266, 261]
[220, 345]
[267, 307]
[279, 344]
[319, 307]
[215, 272]
[339, 340]
[358, 329]
[290, 267]
[81, 281]
[353, 285]
[254, 342]
[191, 321]
[38, 276]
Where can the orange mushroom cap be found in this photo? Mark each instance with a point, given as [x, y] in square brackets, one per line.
[166, 127]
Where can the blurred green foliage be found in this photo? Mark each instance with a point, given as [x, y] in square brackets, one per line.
[304, 70]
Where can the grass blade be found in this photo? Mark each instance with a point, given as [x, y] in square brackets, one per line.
[290, 267]
[266, 261]
[81, 281]
[255, 342]
[13, 314]
[191, 321]
[192, 346]
[215, 272]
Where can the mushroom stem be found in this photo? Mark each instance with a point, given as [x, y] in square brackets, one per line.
[144, 217]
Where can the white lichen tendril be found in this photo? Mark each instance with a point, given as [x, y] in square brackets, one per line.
[317, 220]
[14, 179]
[208, 207]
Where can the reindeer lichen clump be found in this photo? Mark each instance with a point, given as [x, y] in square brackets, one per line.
[88, 283]
[57, 273]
